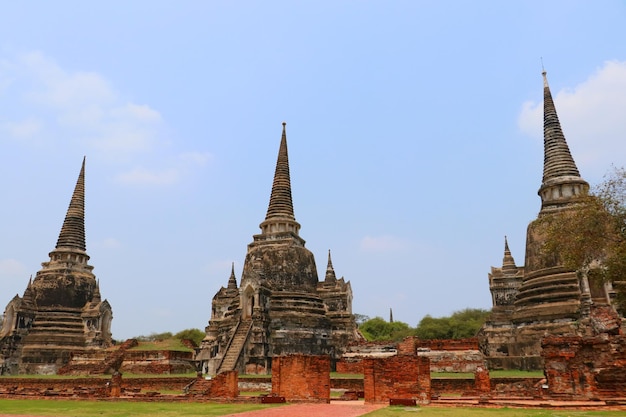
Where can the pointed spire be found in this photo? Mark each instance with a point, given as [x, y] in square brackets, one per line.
[562, 185]
[390, 315]
[330, 271]
[279, 221]
[558, 161]
[508, 263]
[72, 234]
[232, 281]
[96, 293]
[281, 204]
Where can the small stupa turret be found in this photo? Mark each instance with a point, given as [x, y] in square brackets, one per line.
[331, 278]
[232, 281]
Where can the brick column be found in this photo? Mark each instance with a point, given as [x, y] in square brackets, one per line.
[115, 385]
[301, 377]
[397, 377]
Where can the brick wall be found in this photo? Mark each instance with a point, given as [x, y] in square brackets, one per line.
[402, 376]
[350, 384]
[350, 366]
[411, 345]
[585, 367]
[95, 386]
[224, 385]
[301, 377]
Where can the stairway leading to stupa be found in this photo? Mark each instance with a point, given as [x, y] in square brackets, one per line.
[236, 345]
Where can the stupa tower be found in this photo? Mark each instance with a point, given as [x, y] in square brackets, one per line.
[549, 292]
[281, 308]
[61, 311]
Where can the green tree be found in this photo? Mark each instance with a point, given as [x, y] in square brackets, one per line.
[460, 325]
[379, 329]
[192, 334]
[360, 318]
[591, 237]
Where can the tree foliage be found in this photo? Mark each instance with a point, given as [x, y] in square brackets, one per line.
[192, 334]
[591, 237]
[360, 318]
[460, 325]
[379, 329]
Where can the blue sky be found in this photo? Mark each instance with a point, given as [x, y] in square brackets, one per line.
[414, 131]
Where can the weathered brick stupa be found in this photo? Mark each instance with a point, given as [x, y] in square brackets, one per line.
[280, 307]
[61, 311]
[543, 297]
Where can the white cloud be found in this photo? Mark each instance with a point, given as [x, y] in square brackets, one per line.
[383, 243]
[592, 117]
[79, 106]
[52, 105]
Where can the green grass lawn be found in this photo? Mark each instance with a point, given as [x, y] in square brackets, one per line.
[69, 408]
[486, 412]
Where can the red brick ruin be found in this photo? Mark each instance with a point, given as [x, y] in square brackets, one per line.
[286, 323]
[301, 378]
[404, 377]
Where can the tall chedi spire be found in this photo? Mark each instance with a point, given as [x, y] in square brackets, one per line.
[280, 218]
[72, 234]
[281, 204]
[561, 184]
[69, 257]
[549, 291]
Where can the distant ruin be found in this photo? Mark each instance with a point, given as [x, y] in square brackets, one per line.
[61, 310]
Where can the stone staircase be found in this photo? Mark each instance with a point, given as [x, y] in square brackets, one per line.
[229, 363]
[97, 361]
